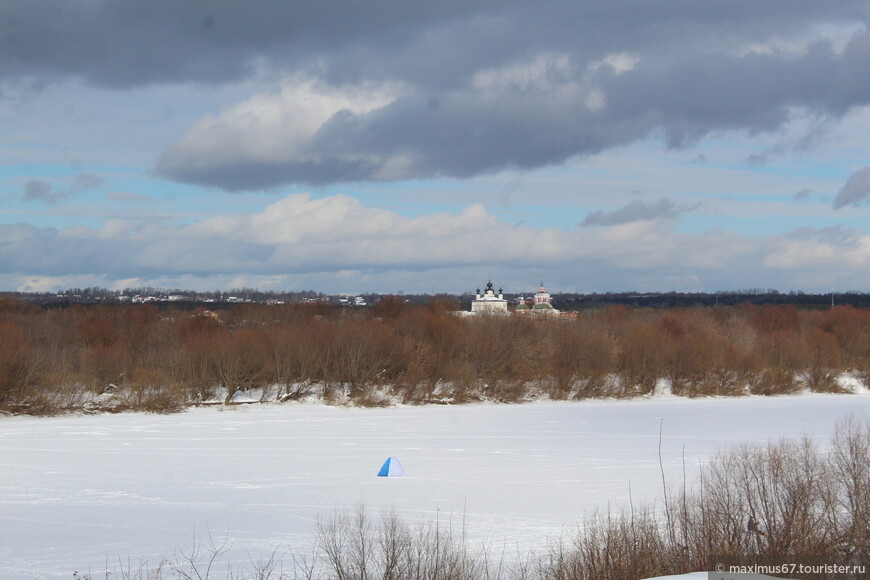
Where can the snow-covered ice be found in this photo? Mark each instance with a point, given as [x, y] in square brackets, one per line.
[78, 491]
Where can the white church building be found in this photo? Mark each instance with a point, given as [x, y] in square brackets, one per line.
[489, 302]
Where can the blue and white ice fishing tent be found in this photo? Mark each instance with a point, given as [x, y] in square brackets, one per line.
[391, 468]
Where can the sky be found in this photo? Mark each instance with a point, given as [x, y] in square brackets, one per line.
[424, 147]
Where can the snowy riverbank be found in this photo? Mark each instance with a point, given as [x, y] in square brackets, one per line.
[77, 491]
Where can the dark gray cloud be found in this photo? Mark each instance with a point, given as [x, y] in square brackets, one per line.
[512, 122]
[245, 174]
[122, 43]
[855, 191]
[129, 42]
[85, 182]
[38, 190]
[635, 211]
[43, 191]
[837, 235]
[803, 194]
[757, 160]
[471, 102]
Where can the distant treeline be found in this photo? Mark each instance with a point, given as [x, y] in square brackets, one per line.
[757, 296]
[149, 358]
[568, 301]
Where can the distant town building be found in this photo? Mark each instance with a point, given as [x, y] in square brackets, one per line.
[540, 303]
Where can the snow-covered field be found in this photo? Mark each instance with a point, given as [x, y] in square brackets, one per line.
[78, 491]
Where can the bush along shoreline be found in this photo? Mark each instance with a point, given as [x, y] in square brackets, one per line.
[141, 358]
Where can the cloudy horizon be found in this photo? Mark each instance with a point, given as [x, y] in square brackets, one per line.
[377, 147]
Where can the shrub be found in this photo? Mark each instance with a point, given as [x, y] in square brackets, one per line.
[425, 353]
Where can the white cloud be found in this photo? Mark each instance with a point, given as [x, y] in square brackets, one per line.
[115, 228]
[27, 283]
[336, 243]
[300, 219]
[838, 34]
[273, 127]
[825, 249]
[620, 62]
[541, 72]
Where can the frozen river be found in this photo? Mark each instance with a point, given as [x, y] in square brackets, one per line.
[77, 491]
